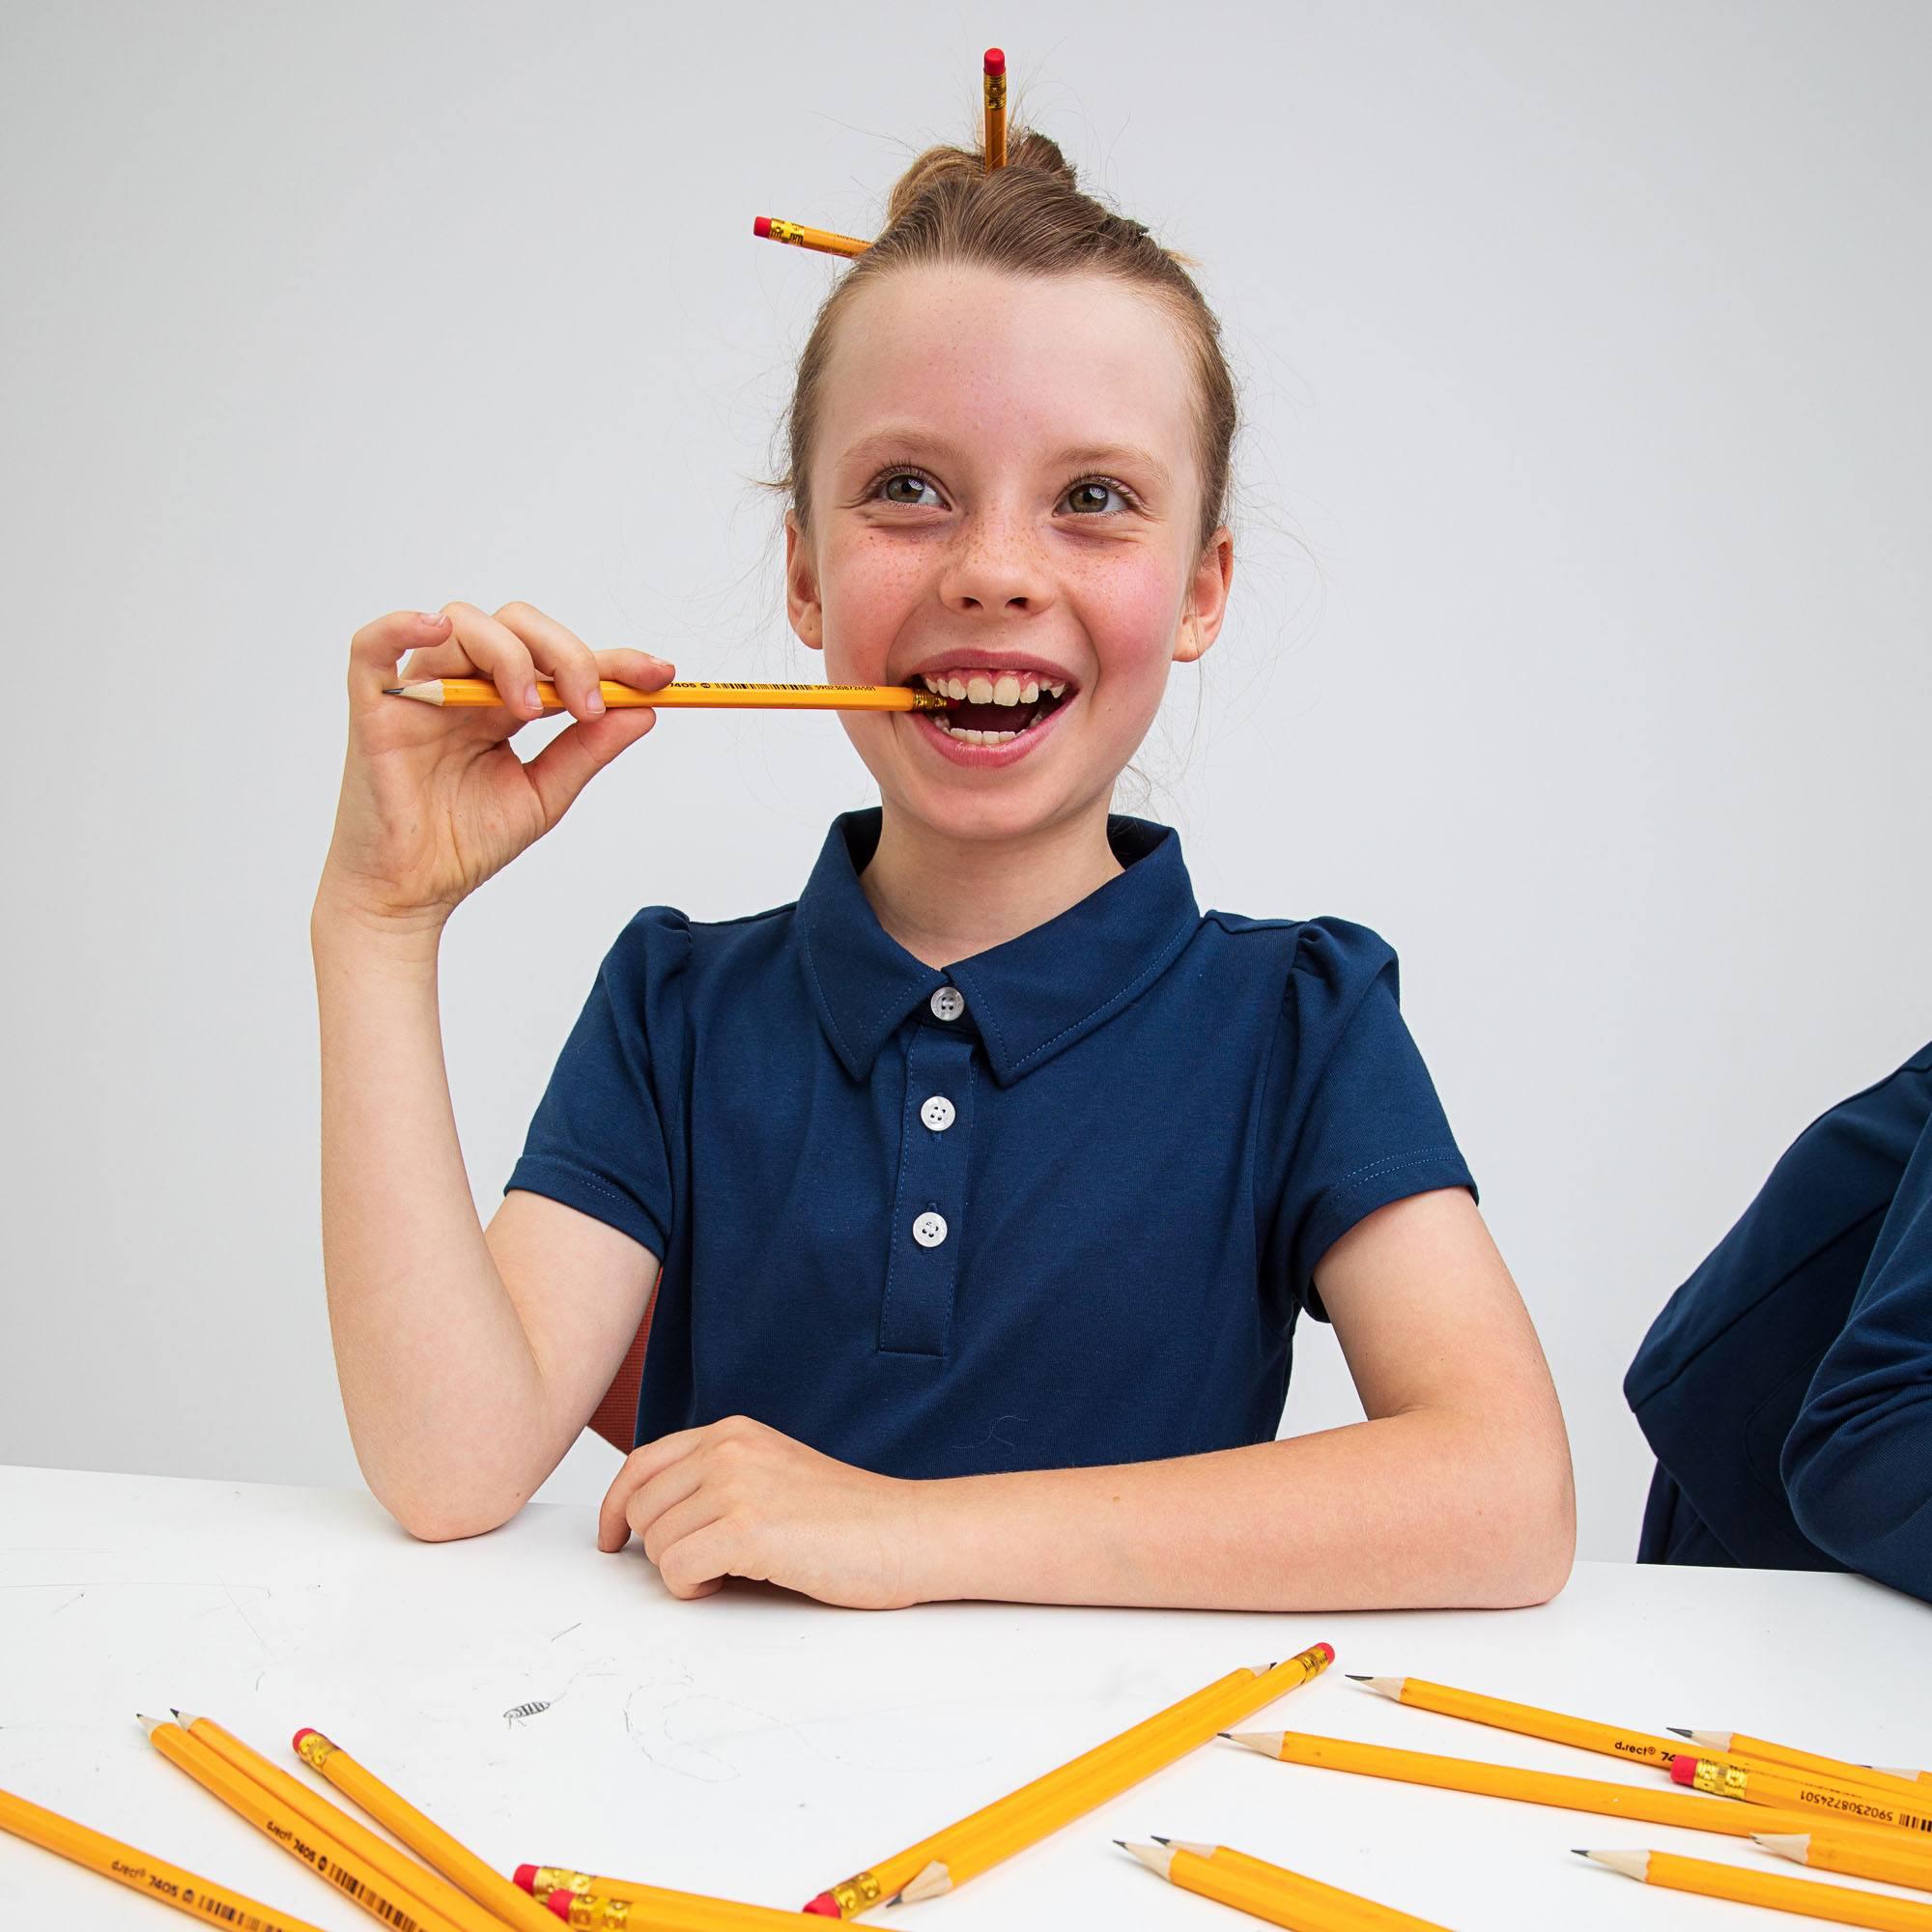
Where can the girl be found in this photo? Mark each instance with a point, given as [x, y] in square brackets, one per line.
[987, 1179]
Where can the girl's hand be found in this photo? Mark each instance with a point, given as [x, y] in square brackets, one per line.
[738, 1499]
[434, 799]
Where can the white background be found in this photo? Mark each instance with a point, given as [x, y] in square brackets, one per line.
[1578, 642]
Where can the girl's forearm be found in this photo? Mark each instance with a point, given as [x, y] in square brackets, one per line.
[441, 1389]
[1422, 1510]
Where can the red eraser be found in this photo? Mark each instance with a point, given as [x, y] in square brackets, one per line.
[761, 226]
[307, 1731]
[1684, 1768]
[995, 61]
[825, 1905]
[1327, 1650]
[560, 1902]
[526, 1877]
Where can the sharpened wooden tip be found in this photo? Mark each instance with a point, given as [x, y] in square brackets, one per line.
[1632, 1865]
[1793, 1845]
[1157, 1857]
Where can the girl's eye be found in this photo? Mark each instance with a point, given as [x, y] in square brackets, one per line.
[1091, 495]
[902, 487]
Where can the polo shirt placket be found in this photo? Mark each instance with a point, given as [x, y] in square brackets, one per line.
[929, 1218]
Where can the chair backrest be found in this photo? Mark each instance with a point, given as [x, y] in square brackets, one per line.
[615, 1417]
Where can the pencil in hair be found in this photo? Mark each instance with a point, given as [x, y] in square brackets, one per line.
[995, 89]
[769, 228]
[141, 1871]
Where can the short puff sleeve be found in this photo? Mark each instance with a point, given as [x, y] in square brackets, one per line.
[1363, 1126]
[602, 1135]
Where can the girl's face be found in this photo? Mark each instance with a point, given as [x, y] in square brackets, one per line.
[1005, 501]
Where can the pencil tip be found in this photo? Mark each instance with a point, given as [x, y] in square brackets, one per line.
[392, 691]
[1677, 1730]
[1158, 1839]
[1224, 1734]
[1355, 1676]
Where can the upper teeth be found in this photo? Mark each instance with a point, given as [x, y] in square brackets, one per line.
[990, 687]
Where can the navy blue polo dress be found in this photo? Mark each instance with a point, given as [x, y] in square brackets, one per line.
[1788, 1386]
[1058, 1203]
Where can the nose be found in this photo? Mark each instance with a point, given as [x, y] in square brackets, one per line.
[996, 566]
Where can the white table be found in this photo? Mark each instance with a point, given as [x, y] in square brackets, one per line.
[762, 1746]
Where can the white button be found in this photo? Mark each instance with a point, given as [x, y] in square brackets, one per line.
[930, 1230]
[937, 1112]
[948, 1002]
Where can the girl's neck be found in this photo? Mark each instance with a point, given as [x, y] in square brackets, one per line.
[945, 898]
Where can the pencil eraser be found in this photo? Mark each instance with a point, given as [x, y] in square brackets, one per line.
[307, 1731]
[761, 226]
[995, 61]
[1327, 1650]
[1684, 1768]
[526, 1877]
[560, 1902]
[825, 1905]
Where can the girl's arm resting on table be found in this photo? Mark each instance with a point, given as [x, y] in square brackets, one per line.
[469, 1361]
[1455, 1492]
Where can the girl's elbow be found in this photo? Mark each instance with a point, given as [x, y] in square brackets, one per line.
[1535, 1547]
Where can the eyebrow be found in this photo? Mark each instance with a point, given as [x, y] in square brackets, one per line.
[1107, 455]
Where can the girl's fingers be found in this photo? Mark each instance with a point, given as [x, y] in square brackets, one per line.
[375, 649]
[501, 654]
[614, 1529]
[448, 660]
[572, 665]
[637, 668]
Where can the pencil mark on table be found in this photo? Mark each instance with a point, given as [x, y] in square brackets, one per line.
[578, 1625]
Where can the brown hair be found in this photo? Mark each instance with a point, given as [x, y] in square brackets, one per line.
[1030, 218]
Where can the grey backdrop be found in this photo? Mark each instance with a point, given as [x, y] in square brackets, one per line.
[1578, 642]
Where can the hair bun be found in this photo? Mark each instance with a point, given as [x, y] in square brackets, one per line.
[945, 164]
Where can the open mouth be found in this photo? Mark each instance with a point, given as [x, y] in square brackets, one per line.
[991, 708]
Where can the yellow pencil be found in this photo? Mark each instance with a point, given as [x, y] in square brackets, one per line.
[769, 228]
[1269, 1891]
[993, 86]
[404, 1871]
[1805, 1896]
[1637, 1747]
[428, 1840]
[589, 1901]
[141, 1871]
[950, 1856]
[1641, 1801]
[691, 693]
[1858, 1856]
[325, 1856]
[1800, 1792]
[1735, 1744]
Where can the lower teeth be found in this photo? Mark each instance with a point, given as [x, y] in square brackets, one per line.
[988, 737]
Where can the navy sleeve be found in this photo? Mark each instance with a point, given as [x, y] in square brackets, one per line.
[1368, 1127]
[601, 1139]
[1858, 1462]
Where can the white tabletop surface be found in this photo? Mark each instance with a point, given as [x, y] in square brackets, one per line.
[762, 1746]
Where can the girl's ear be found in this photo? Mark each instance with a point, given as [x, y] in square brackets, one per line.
[801, 601]
[1207, 597]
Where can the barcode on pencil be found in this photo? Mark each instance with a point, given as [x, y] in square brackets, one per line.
[231, 1914]
[370, 1899]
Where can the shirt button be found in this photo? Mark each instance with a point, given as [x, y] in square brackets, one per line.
[937, 1112]
[948, 1002]
[930, 1230]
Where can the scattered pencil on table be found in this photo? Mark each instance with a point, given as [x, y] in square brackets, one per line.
[696, 694]
[426, 1839]
[949, 1857]
[1645, 1803]
[141, 1871]
[360, 1881]
[1856, 1856]
[1735, 1744]
[1269, 1891]
[823, 241]
[1852, 1805]
[587, 1902]
[1803, 1895]
[1633, 1746]
[402, 1871]
[993, 88]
